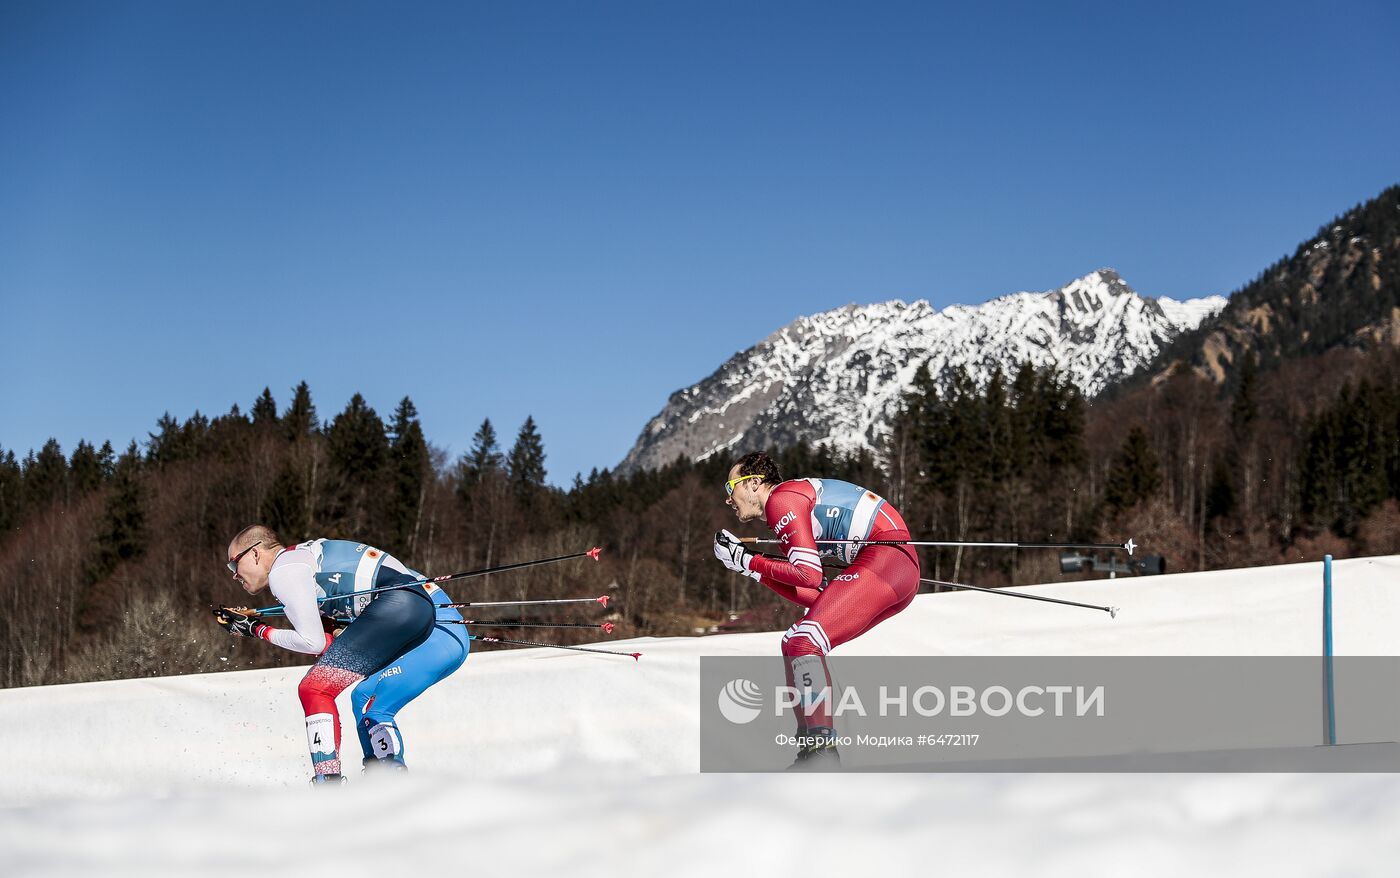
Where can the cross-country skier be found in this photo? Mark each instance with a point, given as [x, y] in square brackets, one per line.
[392, 646]
[880, 581]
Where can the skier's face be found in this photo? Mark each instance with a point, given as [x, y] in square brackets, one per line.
[746, 501]
[248, 568]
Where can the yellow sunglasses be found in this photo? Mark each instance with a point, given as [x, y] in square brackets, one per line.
[729, 485]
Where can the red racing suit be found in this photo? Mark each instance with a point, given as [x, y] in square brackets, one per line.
[881, 580]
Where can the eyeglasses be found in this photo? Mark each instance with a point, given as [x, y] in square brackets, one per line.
[233, 565]
[729, 485]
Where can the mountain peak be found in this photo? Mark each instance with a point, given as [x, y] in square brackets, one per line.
[837, 377]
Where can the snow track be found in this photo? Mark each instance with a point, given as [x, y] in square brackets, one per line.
[538, 760]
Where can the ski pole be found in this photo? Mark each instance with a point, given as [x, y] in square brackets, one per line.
[606, 626]
[1111, 611]
[635, 656]
[602, 599]
[1129, 545]
[591, 553]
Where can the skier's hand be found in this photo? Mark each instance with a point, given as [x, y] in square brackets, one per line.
[239, 621]
[332, 625]
[732, 554]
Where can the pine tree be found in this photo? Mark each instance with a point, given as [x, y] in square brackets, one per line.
[46, 476]
[167, 445]
[299, 421]
[484, 457]
[1061, 422]
[121, 535]
[902, 448]
[356, 442]
[11, 492]
[1220, 493]
[107, 459]
[1320, 492]
[358, 452]
[1365, 434]
[525, 464]
[85, 467]
[1232, 474]
[229, 435]
[412, 473]
[481, 486]
[194, 435]
[797, 461]
[285, 508]
[1135, 473]
[265, 410]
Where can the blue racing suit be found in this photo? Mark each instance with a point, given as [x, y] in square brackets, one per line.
[377, 699]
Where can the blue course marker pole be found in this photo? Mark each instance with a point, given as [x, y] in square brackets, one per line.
[1327, 648]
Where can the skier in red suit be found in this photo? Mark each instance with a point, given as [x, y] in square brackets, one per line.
[881, 580]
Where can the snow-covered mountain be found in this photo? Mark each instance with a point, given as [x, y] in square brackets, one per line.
[836, 377]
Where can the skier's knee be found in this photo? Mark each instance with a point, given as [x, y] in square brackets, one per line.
[322, 683]
[807, 637]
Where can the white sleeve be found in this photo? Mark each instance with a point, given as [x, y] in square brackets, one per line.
[293, 582]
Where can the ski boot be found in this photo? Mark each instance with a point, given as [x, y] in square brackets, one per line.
[818, 751]
[372, 765]
[327, 780]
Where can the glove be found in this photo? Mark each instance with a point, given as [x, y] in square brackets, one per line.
[732, 554]
[331, 625]
[240, 622]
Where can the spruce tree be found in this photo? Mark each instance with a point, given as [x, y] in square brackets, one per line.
[121, 535]
[167, 444]
[265, 410]
[355, 441]
[481, 486]
[285, 508]
[525, 464]
[11, 492]
[194, 435]
[1234, 466]
[46, 476]
[358, 453]
[1365, 434]
[299, 421]
[1220, 492]
[85, 468]
[1135, 473]
[484, 457]
[107, 459]
[412, 465]
[1320, 491]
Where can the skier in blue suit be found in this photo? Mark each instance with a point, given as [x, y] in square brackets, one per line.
[398, 636]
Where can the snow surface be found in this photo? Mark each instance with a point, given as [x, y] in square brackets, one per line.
[540, 761]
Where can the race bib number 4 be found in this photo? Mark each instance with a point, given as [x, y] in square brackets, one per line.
[320, 736]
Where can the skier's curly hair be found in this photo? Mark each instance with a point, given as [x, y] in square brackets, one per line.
[758, 463]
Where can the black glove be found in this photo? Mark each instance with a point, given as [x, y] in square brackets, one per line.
[238, 622]
[732, 554]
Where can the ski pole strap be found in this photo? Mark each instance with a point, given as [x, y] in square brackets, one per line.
[1111, 611]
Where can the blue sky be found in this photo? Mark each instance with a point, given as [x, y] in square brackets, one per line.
[571, 210]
